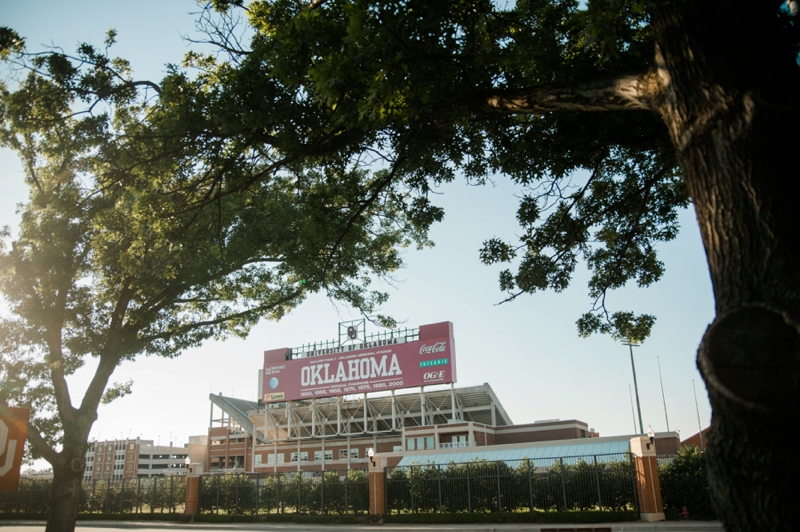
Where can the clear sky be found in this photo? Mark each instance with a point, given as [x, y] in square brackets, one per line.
[527, 350]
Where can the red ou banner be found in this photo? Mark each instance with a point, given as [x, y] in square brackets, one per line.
[380, 365]
[13, 430]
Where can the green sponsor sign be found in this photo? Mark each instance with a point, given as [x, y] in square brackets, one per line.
[429, 363]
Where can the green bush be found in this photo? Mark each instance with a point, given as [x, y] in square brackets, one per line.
[523, 486]
[684, 483]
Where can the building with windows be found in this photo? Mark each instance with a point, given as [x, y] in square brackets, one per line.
[336, 433]
[325, 405]
[114, 460]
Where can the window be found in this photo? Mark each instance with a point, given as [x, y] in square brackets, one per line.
[304, 456]
[130, 467]
[258, 459]
[293, 457]
[353, 453]
[410, 444]
[342, 454]
[420, 444]
[323, 455]
[397, 448]
[271, 458]
[130, 447]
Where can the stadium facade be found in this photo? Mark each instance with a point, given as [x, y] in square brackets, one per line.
[324, 406]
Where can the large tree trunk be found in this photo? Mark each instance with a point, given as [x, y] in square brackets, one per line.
[730, 87]
[66, 491]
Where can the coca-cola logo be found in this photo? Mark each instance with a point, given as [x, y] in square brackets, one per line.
[438, 347]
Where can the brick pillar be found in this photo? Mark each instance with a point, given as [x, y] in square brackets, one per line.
[192, 506]
[377, 487]
[648, 487]
[192, 495]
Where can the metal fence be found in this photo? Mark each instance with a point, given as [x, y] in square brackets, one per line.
[328, 492]
[130, 495]
[602, 482]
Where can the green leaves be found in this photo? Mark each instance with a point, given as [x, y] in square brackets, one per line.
[10, 42]
[116, 391]
[156, 224]
[403, 81]
[619, 325]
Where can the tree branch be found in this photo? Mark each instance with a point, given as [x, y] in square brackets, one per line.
[41, 445]
[94, 392]
[628, 92]
[166, 335]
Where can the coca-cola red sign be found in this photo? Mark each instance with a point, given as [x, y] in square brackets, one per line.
[438, 347]
[385, 364]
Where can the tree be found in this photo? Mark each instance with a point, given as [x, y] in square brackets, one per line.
[664, 103]
[684, 483]
[153, 225]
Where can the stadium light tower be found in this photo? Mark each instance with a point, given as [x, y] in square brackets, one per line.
[631, 344]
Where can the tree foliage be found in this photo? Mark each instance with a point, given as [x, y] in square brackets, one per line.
[410, 81]
[684, 483]
[157, 220]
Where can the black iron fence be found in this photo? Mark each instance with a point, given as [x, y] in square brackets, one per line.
[602, 482]
[329, 492]
[131, 495]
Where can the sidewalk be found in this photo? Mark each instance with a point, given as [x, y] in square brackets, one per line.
[636, 526]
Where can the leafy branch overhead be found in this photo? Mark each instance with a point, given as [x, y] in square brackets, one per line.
[470, 89]
[158, 218]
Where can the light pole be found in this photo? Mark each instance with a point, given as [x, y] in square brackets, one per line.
[631, 345]
[663, 397]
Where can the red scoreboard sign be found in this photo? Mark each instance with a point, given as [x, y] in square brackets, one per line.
[379, 365]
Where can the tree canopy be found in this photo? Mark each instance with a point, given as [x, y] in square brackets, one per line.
[153, 225]
[435, 89]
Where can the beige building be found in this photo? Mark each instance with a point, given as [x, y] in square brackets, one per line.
[115, 460]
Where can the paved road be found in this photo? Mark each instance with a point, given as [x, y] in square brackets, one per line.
[111, 526]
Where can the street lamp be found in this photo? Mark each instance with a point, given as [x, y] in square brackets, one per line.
[631, 344]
